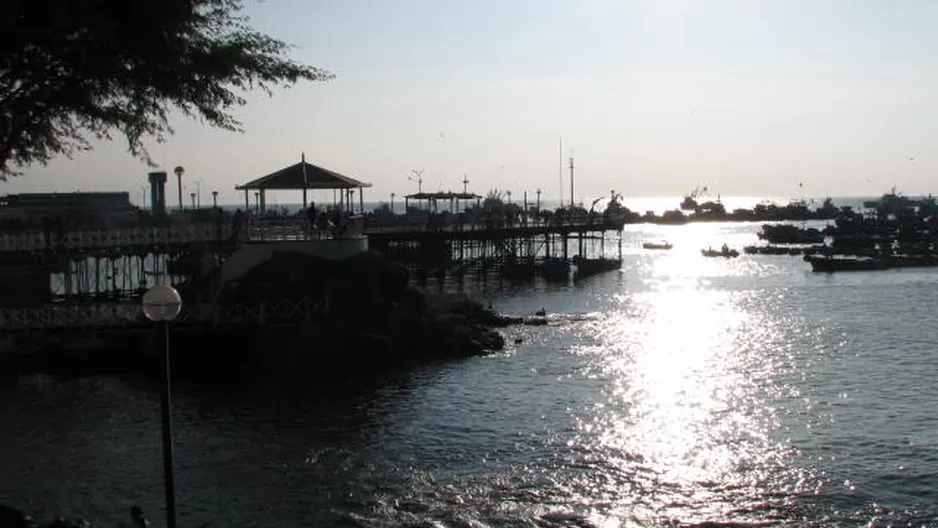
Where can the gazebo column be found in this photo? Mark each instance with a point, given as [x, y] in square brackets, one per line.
[247, 202]
[263, 201]
[305, 203]
[361, 200]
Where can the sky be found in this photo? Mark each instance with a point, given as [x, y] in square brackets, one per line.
[651, 98]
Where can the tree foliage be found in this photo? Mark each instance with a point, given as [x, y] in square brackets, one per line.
[71, 70]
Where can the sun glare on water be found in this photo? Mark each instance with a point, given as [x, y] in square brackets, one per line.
[683, 410]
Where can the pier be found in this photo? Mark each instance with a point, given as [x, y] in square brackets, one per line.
[97, 276]
[55, 275]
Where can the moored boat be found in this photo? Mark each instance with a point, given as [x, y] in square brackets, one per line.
[657, 245]
[724, 252]
[830, 264]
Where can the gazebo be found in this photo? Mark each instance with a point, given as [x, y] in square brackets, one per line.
[304, 176]
[447, 196]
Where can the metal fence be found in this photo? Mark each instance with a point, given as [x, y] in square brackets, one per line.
[140, 237]
[125, 314]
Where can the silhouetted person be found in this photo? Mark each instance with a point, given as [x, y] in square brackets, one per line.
[311, 217]
[322, 222]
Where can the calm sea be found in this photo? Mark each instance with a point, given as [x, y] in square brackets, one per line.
[679, 391]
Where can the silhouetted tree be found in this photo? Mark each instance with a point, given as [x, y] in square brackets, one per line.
[73, 69]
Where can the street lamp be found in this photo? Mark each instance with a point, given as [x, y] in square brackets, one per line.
[161, 304]
[215, 199]
[179, 172]
[192, 196]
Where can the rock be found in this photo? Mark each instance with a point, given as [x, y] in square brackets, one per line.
[13, 518]
[366, 317]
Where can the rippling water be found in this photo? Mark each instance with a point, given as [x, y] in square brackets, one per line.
[680, 391]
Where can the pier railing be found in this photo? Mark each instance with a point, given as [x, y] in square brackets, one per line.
[145, 237]
[100, 315]
[476, 222]
[271, 230]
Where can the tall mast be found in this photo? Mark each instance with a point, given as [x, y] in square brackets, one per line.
[560, 173]
[571, 182]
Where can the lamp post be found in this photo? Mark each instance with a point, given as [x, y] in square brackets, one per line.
[392, 203]
[161, 304]
[215, 199]
[179, 172]
[192, 196]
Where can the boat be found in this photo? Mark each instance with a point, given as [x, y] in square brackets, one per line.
[830, 264]
[657, 245]
[782, 250]
[724, 252]
[790, 234]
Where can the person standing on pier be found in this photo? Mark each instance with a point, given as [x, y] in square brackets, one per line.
[311, 218]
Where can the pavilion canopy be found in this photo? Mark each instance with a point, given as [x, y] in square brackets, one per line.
[303, 175]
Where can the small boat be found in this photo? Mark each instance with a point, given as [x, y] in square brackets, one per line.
[725, 252]
[657, 245]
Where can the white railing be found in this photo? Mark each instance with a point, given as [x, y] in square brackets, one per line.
[37, 241]
[124, 314]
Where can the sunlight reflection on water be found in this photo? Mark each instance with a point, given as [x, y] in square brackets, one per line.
[690, 404]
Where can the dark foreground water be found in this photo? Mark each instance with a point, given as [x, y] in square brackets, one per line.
[680, 391]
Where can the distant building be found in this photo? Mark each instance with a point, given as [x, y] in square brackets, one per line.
[78, 210]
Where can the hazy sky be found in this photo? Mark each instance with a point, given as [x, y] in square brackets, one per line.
[748, 97]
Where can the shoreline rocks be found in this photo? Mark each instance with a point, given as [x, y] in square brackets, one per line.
[373, 320]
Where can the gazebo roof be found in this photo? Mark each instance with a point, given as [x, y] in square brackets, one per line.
[442, 196]
[303, 175]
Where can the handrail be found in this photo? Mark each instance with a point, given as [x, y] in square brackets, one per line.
[39, 241]
[126, 314]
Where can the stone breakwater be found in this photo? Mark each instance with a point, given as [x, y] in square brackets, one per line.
[375, 320]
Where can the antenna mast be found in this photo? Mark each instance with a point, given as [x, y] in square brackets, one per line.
[560, 173]
[571, 182]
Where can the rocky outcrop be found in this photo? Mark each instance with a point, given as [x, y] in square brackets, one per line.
[14, 518]
[369, 316]
[364, 317]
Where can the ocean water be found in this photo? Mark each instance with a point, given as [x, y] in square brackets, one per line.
[676, 392]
